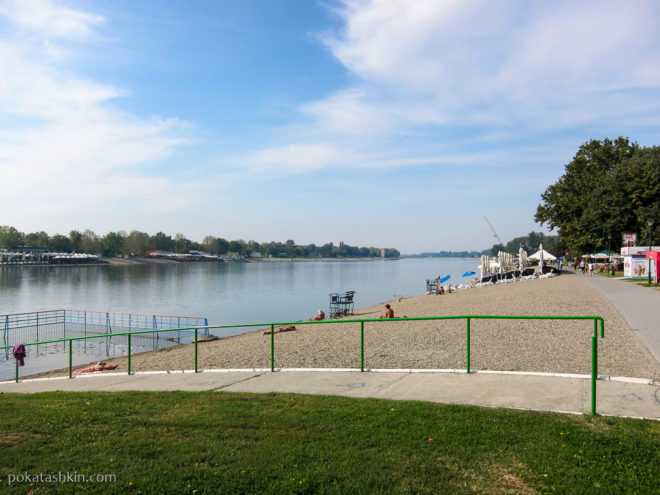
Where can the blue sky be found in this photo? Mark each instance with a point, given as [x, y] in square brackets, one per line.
[377, 123]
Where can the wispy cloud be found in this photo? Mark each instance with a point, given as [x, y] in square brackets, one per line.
[50, 20]
[64, 140]
[484, 62]
[477, 69]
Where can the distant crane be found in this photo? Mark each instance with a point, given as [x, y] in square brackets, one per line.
[493, 229]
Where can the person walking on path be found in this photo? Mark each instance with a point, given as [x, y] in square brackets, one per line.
[591, 269]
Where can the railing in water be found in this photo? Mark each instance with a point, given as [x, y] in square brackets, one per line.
[468, 318]
[19, 327]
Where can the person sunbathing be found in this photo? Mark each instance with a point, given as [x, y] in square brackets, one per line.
[319, 316]
[100, 366]
[389, 312]
[291, 328]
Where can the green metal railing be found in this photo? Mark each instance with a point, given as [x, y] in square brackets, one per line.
[468, 318]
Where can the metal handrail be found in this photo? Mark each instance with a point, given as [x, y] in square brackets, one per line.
[362, 321]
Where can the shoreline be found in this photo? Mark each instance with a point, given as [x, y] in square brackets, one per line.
[144, 260]
[560, 346]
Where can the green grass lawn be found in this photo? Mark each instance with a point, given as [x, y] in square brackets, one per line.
[211, 442]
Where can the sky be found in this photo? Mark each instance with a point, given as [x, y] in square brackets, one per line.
[386, 123]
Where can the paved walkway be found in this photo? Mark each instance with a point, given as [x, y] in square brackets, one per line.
[517, 391]
[640, 307]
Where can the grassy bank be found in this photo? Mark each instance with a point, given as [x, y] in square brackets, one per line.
[239, 443]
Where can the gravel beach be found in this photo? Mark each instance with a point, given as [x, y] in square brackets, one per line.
[509, 345]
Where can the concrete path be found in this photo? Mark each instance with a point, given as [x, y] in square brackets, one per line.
[640, 307]
[534, 392]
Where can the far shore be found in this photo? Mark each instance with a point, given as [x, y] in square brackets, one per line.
[145, 260]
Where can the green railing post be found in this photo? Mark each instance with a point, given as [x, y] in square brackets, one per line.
[129, 353]
[362, 345]
[468, 345]
[272, 347]
[594, 372]
[70, 357]
[195, 350]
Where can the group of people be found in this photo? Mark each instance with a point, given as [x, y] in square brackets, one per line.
[389, 313]
[584, 266]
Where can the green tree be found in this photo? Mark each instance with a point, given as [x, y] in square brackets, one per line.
[37, 239]
[161, 242]
[222, 246]
[633, 196]
[112, 244]
[237, 246]
[75, 238]
[392, 253]
[137, 243]
[90, 242]
[59, 244]
[252, 247]
[209, 244]
[576, 205]
[10, 238]
[181, 244]
[497, 248]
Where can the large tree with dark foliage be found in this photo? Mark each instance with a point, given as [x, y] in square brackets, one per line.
[609, 187]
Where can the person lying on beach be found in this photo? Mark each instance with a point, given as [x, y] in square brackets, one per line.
[319, 316]
[281, 329]
[389, 312]
[96, 367]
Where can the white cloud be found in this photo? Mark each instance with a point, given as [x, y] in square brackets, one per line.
[65, 146]
[500, 68]
[295, 158]
[482, 62]
[49, 20]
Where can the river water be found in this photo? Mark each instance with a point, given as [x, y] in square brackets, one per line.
[224, 293]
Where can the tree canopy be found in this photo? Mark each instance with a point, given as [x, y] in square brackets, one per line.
[609, 188]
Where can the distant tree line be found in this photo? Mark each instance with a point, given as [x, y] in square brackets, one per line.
[531, 243]
[609, 188]
[138, 243]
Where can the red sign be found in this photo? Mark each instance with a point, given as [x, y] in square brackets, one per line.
[629, 239]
